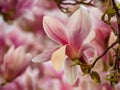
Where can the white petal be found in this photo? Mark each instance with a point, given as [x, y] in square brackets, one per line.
[71, 73]
[58, 58]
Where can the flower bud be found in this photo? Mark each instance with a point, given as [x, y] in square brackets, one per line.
[15, 62]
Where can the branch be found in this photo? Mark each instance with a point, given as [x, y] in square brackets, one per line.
[117, 16]
[106, 50]
[60, 4]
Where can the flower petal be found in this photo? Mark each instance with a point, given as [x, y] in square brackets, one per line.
[45, 56]
[58, 58]
[79, 26]
[89, 53]
[71, 73]
[55, 30]
[90, 37]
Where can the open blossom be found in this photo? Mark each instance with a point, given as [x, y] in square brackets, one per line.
[73, 42]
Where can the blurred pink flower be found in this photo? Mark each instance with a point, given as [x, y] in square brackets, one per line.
[73, 40]
[12, 9]
[87, 83]
[105, 86]
[9, 86]
[16, 36]
[49, 78]
[15, 62]
[48, 4]
[102, 31]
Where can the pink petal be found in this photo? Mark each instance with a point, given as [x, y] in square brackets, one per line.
[71, 73]
[79, 27]
[70, 52]
[58, 58]
[45, 56]
[90, 37]
[89, 53]
[55, 30]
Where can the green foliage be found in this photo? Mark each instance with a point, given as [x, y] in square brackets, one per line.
[118, 5]
[95, 76]
[85, 69]
[113, 77]
[110, 12]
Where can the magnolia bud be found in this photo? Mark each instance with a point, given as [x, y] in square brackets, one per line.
[14, 63]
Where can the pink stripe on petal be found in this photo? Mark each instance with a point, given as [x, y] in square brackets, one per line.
[71, 73]
[55, 30]
[79, 27]
[70, 52]
[90, 37]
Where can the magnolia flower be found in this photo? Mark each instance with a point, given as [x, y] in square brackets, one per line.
[73, 42]
[15, 62]
[15, 36]
[13, 9]
[102, 31]
[51, 79]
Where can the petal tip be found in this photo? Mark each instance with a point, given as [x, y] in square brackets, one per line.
[46, 18]
[58, 58]
[35, 60]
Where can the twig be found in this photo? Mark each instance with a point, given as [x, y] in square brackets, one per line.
[104, 53]
[61, 3]
[117, 16]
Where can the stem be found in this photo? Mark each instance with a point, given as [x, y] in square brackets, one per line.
[117, 16]
[108, 48]
[117, 60]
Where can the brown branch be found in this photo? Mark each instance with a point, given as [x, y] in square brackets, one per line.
[106, 50]
[61, 3]
[117, 16]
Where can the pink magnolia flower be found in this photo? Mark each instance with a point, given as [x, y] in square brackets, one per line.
[50, 79]
[12, 9]
[102, 31]
[73, 42]
[16, 36]
[15, 62]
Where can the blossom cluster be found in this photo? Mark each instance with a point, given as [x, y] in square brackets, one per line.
[42, 48]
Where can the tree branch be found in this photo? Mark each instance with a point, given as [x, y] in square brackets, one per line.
[106, 50]
[117, 16]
